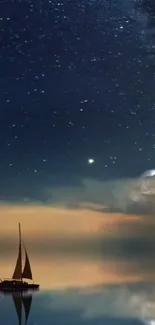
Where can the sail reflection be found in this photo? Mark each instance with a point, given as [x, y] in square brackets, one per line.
[22, 302]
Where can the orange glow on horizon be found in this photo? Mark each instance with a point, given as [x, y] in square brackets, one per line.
[56, 273]
[40, 219]
[45, 222]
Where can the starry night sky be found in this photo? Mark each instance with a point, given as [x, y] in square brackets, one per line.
[76, 82]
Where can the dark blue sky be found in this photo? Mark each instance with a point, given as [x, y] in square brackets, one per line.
[77, 81]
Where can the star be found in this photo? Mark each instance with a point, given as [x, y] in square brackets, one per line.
[91, 161]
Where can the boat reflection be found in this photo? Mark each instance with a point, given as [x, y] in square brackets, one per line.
[22, 302]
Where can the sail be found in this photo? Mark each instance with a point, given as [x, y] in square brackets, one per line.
[18, 268]
[18, 305]
[27, 301]
[27, 273]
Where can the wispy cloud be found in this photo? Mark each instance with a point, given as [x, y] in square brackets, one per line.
[130, 196]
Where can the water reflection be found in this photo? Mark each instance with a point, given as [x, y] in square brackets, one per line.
[26, 302]
[22, 302]
[126, 304]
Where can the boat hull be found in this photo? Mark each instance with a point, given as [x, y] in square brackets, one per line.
[10, 286]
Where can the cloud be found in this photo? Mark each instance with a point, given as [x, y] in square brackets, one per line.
[129, 196]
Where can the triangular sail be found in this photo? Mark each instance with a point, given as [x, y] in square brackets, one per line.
[27, 273]
[18, 268]
[27, 301]
[18, 305]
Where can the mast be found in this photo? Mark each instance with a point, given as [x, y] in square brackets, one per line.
[18, 268]
[20, 248]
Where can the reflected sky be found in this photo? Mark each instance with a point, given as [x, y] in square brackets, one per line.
[132, 303]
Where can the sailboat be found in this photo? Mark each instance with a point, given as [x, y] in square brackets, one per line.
[16, 283]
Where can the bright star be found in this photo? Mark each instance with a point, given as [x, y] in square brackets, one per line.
[91, 161]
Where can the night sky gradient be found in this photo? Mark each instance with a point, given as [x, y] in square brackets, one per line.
[76, 81]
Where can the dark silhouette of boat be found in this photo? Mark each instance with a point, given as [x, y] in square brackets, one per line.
[17, 283]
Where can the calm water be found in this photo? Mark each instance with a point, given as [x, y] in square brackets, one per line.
[85, 292]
